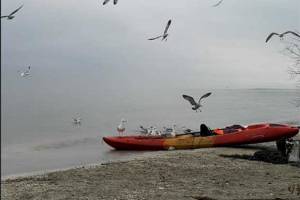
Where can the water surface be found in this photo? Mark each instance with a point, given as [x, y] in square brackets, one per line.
[38, 134]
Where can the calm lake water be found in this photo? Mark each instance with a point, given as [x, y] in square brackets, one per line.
[38, 134]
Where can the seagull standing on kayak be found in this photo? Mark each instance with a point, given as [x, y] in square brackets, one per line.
[173, 133]
[121, 127]
[196, 106]
[11, 15]
[165, 34]
[154, 131]
[143, 130]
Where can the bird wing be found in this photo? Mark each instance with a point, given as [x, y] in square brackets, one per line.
[190, 99]
[16, 10]
[269, 37]
[105, 2]
[167, 27]
[291, 32]
[204, 96]
[155, 38]
[115, 2]
[217, 3]
[4, 16]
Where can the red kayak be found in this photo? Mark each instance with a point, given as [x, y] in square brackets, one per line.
[234, 135]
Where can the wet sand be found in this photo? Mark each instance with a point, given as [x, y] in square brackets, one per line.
[213, 173]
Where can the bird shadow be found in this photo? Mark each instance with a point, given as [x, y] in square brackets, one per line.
[249, 146]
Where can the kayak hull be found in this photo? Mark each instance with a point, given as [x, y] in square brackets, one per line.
[257, 133]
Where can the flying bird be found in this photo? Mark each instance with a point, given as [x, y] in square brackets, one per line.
[217, 4]
[121, 127]
[25, 73]
[165, 34]
[11, 15]
[77, 120]
[281, 35]
[196, 105]
[106, 1]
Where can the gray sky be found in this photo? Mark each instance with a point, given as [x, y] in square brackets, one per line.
[75, 43]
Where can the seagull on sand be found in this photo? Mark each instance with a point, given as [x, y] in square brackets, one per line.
[106, 1]
[25, 73]
[217, 4]
[196, 105]
[282, 34]
[165, 34]
[11, 15]
[121, 127]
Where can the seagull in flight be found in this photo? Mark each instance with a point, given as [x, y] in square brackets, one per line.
[196, 105]
[165, 34]
[106, 1]
[282, 34]
[77, 120]
[25, 73]
[11, 15]
[217, 4]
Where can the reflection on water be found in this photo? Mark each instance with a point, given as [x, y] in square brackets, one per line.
[64, 144]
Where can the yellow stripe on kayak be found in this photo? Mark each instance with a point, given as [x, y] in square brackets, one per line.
[188, 142]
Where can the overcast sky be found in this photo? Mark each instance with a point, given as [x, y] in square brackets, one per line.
[85, 44]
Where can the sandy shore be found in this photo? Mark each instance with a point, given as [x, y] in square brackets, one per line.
[215, 173]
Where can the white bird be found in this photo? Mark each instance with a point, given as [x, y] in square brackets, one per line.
[155, 132]
[11, 15]
[106, 1]
[165, 34]
[167, 130]
[26, 72]
[121, 127]
[196, 105]
[143, 130]
[281, 35]
[217, 4]
[173, 133]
